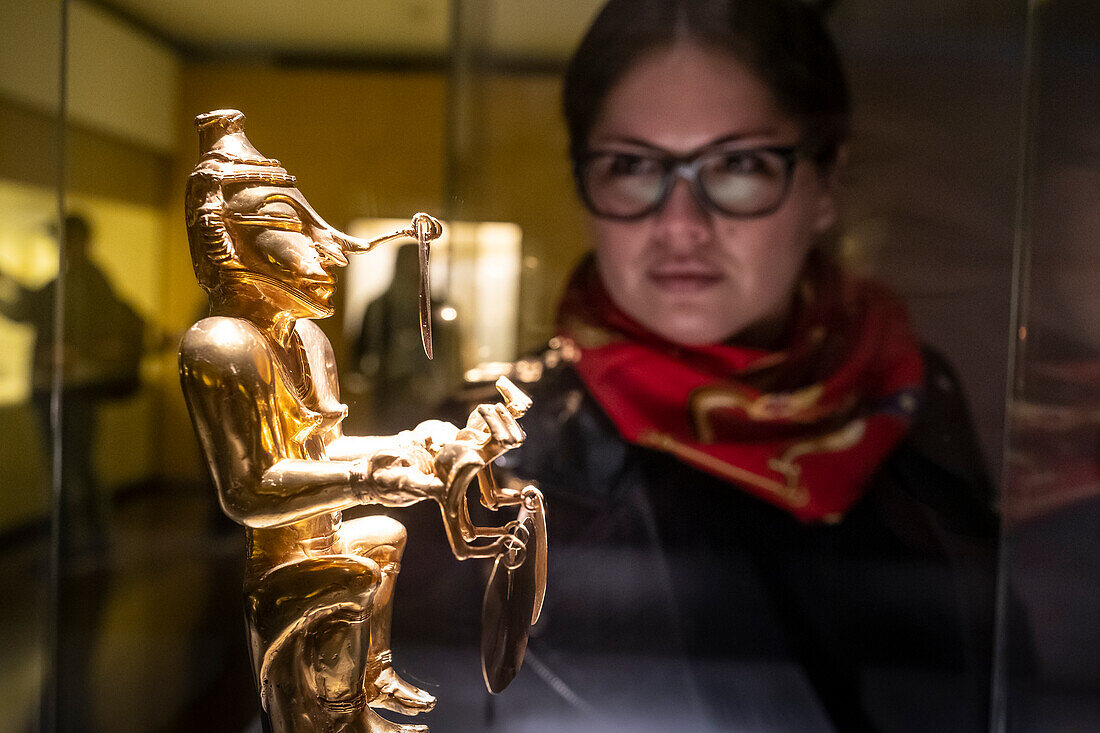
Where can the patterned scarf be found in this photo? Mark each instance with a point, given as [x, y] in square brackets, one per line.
[803, 428]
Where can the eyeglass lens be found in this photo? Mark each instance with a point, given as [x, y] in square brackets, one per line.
[735, 182]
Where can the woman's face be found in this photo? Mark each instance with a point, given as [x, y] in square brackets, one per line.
[690, 275]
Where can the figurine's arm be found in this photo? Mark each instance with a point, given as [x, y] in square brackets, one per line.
[355, 447]
[231, 386]
[306, 487]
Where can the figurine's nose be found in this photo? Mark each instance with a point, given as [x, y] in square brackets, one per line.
[330, 249]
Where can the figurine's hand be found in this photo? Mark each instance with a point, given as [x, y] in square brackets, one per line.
[393, 481]
[493, 427]
[433, 435]
[490, 431]
[515, 399]
[427, 224]
[494, 430]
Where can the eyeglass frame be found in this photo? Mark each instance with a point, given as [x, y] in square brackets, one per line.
[687, 167]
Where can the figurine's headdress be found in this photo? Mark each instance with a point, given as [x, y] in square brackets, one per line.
[225, 156]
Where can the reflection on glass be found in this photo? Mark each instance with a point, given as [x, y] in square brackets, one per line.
[98, 356]
[404, 385]
[475, 278]
[1052, 500]
[28, 262]
[96, 359]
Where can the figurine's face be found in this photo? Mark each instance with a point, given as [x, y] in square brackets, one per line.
[686, 273]
[278, 237]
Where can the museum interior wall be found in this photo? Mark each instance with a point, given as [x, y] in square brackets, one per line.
[389, 159]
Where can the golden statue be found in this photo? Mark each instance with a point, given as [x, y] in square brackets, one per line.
[259, 378]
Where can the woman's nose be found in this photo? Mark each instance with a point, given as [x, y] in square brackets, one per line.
[682, 222]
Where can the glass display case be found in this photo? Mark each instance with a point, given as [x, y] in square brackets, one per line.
[969, 189]
[32, 159]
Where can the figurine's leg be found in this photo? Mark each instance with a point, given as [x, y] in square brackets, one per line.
[382, 539]
[309, 623]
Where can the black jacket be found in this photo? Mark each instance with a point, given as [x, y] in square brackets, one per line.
[883, 621]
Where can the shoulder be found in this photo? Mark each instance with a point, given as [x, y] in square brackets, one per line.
[222, 346]
[943, 429]
[231, 333]
[940, 463]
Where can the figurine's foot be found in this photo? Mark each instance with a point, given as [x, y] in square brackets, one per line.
[377, 724]
[398, 695]
[344, 716]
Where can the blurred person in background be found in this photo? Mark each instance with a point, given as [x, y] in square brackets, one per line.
[96, 359]
[99, 360]
[405, 387]
[767, 507]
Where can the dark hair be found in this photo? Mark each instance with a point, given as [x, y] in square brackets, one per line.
[782, 41]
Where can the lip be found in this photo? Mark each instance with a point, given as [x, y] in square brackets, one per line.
[324, 290]
[684, 280]
[320, 289]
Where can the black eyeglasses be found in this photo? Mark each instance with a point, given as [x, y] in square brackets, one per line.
[731, 181]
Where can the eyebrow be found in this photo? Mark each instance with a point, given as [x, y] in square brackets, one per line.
[300, 207]
[733, 137]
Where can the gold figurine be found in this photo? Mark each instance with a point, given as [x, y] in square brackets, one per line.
[260, 381]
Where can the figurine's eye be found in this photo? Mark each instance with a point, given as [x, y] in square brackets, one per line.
[279, 209]
[274, 213]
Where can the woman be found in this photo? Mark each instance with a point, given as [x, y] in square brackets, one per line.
[756, 474]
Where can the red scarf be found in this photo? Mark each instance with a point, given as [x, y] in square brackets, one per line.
[803, 428]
